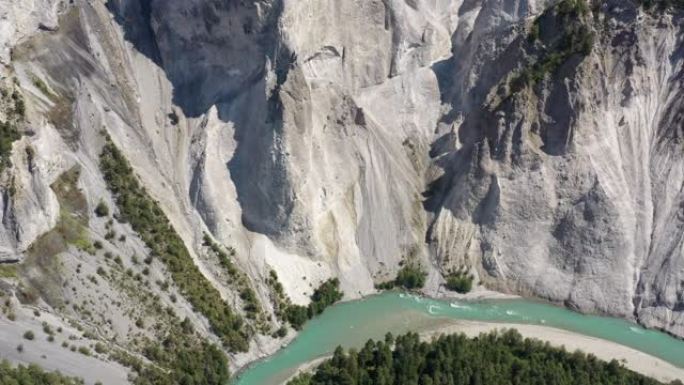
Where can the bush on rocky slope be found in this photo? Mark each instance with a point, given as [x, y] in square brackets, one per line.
[32, 375]
[150, 222]
[460, 282]
[180, 357]
[410, 277]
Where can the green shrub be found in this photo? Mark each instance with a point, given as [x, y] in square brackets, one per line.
[102, 210]
[41, 86]
[297, 315]
[281, 332]
[100, 348]
[28, 335]
[411, 276]
[460, 282]
[19, 110]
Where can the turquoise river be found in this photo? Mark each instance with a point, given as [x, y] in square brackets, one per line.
[350, 324]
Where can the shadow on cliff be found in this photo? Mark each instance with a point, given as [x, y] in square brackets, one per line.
[135, 19]
[236, 86]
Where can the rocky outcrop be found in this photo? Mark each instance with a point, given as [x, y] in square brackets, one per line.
[532, 142]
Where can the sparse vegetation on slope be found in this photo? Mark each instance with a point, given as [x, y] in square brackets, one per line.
[102, 210]
[180, 358]
[40, 267]
[32, 375]
[575, 38]
[149, 221]
[240, 281]
[490, 359]
[174, 352]
[279, 298]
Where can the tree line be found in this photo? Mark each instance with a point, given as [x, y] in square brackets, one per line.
[497, 358]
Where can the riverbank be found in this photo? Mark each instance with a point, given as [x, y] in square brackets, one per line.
[605, 350]
[351, 324]
[265, 346]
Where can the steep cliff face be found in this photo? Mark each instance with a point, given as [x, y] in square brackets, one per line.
[567, 187]
[536, 143]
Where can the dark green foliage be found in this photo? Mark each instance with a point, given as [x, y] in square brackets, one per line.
[19, 110]
[460, 282]
[8, 135]
[32, 375]
[200, 365]
[297, 315]
[149, 221]
[280, 301]
[490, 359]
[410, 277]
[326, 294]
[280, 333]
[102, 210]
